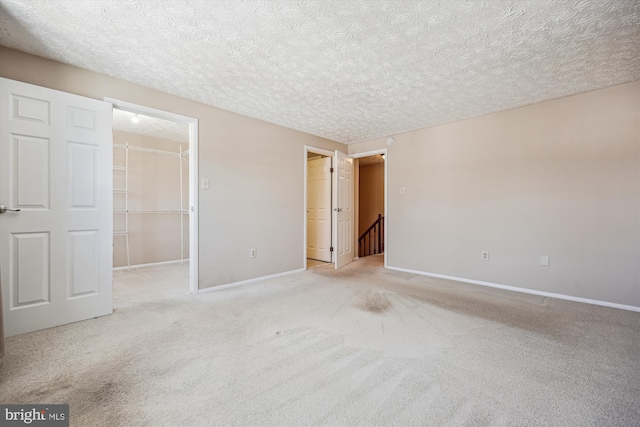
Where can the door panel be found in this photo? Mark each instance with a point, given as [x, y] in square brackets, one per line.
[30, 109]
[83, 185]
[84, 260]
[343, 211]
[82, 119]
[30, 253]
[55, 166]
[31, 172]
[319, 209]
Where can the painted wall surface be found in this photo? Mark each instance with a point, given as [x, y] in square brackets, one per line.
[558, 178]
[154, 184]
[256, 170]
[371, 191]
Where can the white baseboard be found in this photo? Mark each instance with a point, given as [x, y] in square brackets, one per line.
[246, 282]
[151, 264]
[523, 290]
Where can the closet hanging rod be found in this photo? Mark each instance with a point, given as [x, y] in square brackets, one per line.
[150, 211]
[147, 150]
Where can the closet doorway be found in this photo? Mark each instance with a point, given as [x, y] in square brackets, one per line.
[335, 230]
[154, 191]
[318, 203]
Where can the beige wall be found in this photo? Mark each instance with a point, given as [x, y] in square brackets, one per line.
[559, 178]
[256, 171]
[371, 193]
[154, 184]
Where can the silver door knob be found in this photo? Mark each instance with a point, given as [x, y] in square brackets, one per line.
[3, 209]
[338, 209]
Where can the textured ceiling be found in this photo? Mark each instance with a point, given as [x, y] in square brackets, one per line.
[150, 126]
[345, 70]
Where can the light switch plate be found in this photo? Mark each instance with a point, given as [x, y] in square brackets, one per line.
[205, 184]
[402, 190]
[544, 261]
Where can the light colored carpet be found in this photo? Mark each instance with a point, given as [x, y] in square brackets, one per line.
[313, 263]
[357, 346]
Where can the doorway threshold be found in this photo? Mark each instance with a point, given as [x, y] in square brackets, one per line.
[313, 263]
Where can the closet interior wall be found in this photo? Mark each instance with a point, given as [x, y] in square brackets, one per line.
[153, 194]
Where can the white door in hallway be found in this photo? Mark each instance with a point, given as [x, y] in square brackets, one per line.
[343, 210]
[319, 209]
[56, 185]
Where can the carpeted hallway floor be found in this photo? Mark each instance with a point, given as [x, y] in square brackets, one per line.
[357, 346]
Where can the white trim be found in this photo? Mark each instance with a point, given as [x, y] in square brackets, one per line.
[309, 149]
[194, 228]
[523, 290]
[386, 193]
[368, 153]
[193, 176]
[322, 151]
[151, 264]
[304, 209]
[149, 111]
[386, 217]
[334, 205]
[246, 282]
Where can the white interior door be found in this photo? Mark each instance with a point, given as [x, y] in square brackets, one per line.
[55, 168]
[319, 209]
[343, 210]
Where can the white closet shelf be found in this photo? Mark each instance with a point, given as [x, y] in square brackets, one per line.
[174, 211]
[119, 233]
[119, 168]
[119, 190]
[147, 150]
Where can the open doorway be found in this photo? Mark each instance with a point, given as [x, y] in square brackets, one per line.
[155, 193]
[318, 182]
[371, 204]
[150, 192]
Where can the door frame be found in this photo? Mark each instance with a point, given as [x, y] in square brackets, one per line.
[386, 161]
[193, 175]
[309, 149]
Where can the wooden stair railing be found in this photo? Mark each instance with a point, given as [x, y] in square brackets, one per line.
[371, 242]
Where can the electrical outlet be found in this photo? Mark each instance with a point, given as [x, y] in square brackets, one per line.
[544, 260]
[485, 255]
[253, 253]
